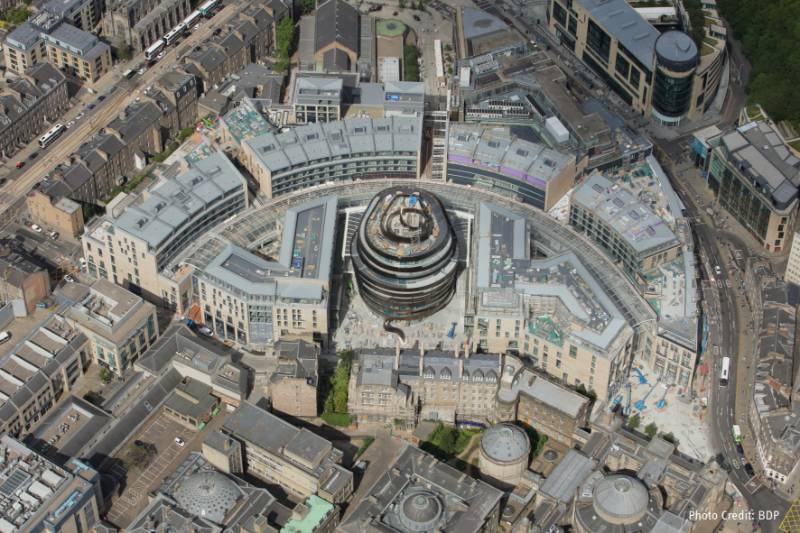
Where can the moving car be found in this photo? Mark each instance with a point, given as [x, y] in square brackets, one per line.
[4, 336]
[180, 442]
[36, 227]
[69, 279]
[205, 330]
[20, 164]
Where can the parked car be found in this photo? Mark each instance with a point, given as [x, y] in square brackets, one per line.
[20, 164]
[4, 336]
[69, 279]
[180, 442]
[53, 234]
[205, 330]
[34, 155]
[749, 469]
[36, 227]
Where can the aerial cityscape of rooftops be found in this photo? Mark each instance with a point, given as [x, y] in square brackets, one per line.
[315, 266]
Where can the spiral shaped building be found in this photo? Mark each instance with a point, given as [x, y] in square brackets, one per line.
[405, 254]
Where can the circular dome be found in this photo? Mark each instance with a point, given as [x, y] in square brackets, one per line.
[208, 494]
[620, 499]
[676, 51]
[505, 443]
[421, 510]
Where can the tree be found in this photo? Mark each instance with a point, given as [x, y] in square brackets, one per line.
[105, 375]
[402, 4]
[284, 43]
[634, 421]
[769, 39]
[307, 6]
[651, 429]
[410, 63]
[124, 52]
[670, 437]
[185, 133]
[336, 401]
[15, 15]
[420, 6]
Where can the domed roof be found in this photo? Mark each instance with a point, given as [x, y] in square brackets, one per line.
[505, 443]
[208, 494]
[620, 498]
[420, 510]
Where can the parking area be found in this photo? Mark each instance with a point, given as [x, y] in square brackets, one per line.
[158, 434]
[21, 327]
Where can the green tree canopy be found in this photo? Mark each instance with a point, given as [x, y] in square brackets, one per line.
[284, 43]
[769, 33]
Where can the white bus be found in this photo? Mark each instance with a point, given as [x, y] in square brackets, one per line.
[723, 375]
[192, 19]
[51, 135]
[151, 53]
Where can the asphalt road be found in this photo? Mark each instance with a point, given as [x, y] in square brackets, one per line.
[19, 185]
[724, 326]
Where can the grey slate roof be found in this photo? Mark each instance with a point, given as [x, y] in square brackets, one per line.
[759, 150]
[309, 230]
[624, 214]
[173, 203]
[623, 22]
[352, 137]
[336, 21]
[463, 504]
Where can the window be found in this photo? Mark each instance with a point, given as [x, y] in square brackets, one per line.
[573, 351]
[635, 77]
[559, 13]
[622, 66]
[598, 41]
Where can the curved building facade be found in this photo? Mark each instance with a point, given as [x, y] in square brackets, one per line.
[504, 453]
[405, 254]
[676, 62]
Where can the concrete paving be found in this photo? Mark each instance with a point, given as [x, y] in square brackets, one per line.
[364, 329]
[679, 415]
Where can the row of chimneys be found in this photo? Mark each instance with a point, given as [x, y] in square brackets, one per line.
[422, 355]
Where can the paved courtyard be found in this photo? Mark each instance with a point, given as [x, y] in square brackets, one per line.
[679, 415]
[364, 329]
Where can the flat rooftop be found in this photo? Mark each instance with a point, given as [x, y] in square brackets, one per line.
[245, 122]
[34, 489]
[505, 273]
[306, 249]
[497, 150]
[620, 210]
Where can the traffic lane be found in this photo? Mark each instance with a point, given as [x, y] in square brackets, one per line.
[61, 149]
[721, 400]
[24, 155]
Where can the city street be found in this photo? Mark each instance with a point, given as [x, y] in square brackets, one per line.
[727, 329]
[20, 182]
